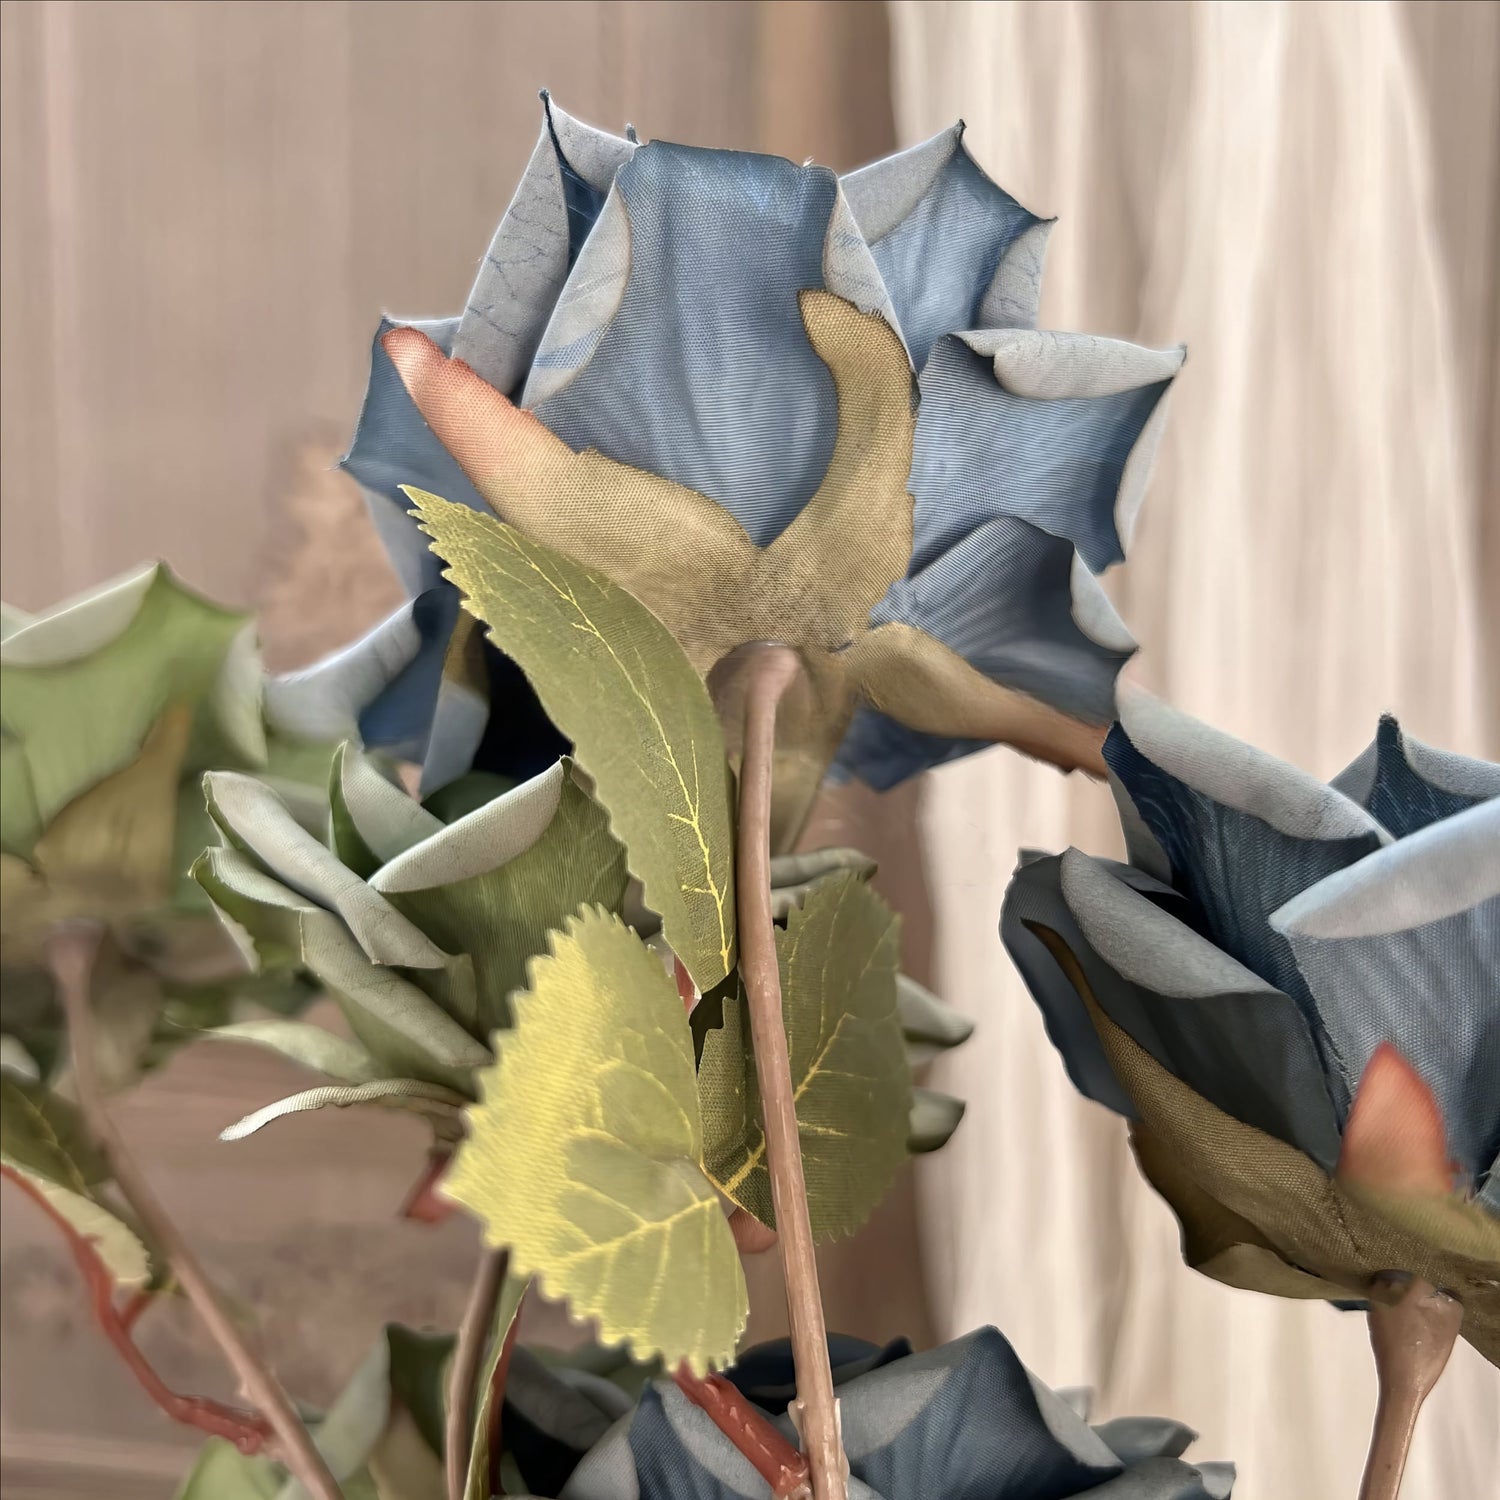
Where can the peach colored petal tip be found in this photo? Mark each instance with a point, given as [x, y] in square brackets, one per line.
[1395, 1140]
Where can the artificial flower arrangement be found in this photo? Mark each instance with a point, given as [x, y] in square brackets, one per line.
[732, 476]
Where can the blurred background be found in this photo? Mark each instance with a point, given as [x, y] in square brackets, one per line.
[206, 206]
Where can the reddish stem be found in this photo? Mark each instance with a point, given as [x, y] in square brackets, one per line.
[424, 1204]
[751, 1431]
[248, 1431]
[134, 1306]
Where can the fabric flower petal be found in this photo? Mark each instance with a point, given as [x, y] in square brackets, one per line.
[393, 446]
[1404, 948]
[1057, 429]
[1016, 603]
[538, 240]
[1405, 785]
[1231, 1037]
[955, 251]
[678, 345]
[1237, 831]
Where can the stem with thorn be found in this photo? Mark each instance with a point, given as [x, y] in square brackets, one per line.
[71, 951]
[248, 1431]
[467, 1354]
[770, 671]
[1412, 1340]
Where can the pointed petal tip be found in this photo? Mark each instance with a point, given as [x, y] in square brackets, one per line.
[1395, 1139]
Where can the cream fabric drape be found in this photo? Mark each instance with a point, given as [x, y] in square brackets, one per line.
[1256, 180]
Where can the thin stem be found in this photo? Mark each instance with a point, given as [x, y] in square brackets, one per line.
[1412, 1340]
[772, 669]
[748, 1428]
[467, 1353]
[71, 951]
[248, 1431]
[498, 1376]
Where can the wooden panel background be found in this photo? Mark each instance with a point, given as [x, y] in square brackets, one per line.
[206, 206]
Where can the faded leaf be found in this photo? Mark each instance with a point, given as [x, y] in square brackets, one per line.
[584, 1153]
[613, 679]
[849, 1071]
[439, 1106]
[312, 1046]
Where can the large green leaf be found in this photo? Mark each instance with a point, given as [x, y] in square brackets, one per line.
[614, 680]
[584, 1153]
[837, 957]
[83, 684]
[43, 1141]
[222, 1472]
[494, 884]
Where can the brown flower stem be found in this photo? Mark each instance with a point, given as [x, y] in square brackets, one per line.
[248, 1431]
[747, 1427]
[71, 951]
[1412, 1340]
[479, 1314]
[771, 670]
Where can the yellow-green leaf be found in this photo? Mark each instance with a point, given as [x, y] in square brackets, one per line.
[615, 681]
[838, 958]
[584, 1153]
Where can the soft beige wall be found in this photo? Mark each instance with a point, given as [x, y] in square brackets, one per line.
[1309, 196]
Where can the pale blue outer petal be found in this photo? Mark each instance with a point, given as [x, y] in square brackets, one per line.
[942, 234]
[1405, 785]
[678, 344]
[1231, 1037]
[523, 271]
[1404, 947]
[1040, 426]
[1017, 605]
[1240, 832]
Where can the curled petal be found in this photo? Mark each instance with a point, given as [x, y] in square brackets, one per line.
[1404, 947]
[538, 240]
[955, 250]
[1057, 429]
[1236, 830]
[1406, 785]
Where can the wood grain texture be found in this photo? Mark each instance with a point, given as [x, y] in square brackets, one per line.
[205, 205]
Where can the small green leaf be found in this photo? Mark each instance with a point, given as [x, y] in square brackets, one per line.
[928, 1024]
[312, 1046]
[43, 1140]
[934, 1118]
[849, 1071]
[584, 1153]
[793, 876]
[222, 1472]
[613, 679]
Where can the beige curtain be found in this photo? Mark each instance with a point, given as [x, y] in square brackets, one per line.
[1264, 182]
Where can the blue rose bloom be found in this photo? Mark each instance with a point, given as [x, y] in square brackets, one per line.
[966, 1421]
[643, 302]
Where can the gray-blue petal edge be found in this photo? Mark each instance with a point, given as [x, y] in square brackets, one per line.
[1405, 785]
[954, 249]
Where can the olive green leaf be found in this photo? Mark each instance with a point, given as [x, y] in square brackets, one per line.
[404, 1030]
[934, 1117]
[1253, 1207]
[222, 1472]
[314, 1047]
[850, 1076]
[43, 1140]
[507, 1308]
[793, 876]
[584, 1154]
[614, 680]
[83, 684]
